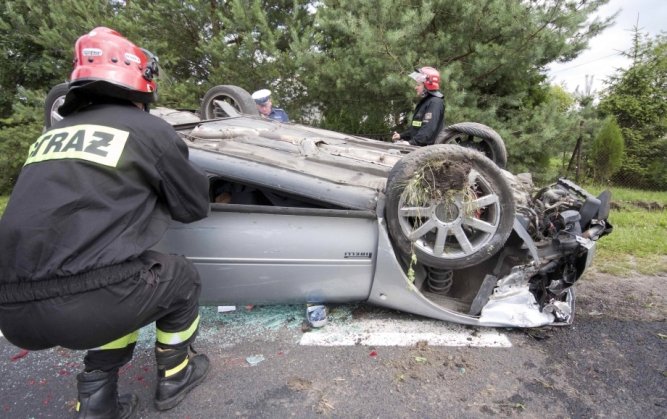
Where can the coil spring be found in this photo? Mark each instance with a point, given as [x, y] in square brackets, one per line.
[438, 280]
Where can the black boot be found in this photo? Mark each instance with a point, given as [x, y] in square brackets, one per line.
[98, 397]
[173, 387]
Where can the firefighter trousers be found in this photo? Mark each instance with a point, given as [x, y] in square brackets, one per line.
[106, 321]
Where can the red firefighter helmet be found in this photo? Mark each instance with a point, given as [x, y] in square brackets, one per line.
[429, 76]
[107, 64]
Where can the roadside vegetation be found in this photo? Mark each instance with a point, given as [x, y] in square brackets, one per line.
[622, 197]
[343, 65]
[638, 243]
[3, 203]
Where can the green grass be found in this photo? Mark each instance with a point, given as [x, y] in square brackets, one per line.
[637, 244]
[623, 195]
[3, 203]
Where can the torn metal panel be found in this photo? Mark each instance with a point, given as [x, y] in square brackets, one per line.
[512, 303]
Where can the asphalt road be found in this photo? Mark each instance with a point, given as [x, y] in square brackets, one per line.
[601, 366]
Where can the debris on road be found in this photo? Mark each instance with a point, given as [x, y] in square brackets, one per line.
[226, 309]
[19, 355]
[255, 359]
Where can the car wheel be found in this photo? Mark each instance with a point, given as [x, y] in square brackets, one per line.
[478, 137]
[449, 206]
[226, 100]
[54, 99]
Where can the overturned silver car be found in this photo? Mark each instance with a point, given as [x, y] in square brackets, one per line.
[300, 214]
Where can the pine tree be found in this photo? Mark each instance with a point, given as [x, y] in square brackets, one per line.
[637, 98]
[491, 56]
[342, 64]
[256, 45]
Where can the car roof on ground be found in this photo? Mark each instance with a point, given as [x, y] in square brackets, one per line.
[344, 170]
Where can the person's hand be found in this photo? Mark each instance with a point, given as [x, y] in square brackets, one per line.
[396, 136]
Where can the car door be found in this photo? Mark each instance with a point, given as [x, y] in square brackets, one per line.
[270, 254]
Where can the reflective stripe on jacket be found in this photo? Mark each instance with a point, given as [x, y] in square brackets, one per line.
[427, 120]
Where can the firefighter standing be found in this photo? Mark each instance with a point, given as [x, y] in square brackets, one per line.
[97, 190]
[429, 116]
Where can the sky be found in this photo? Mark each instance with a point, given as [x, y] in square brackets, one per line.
[602, 57]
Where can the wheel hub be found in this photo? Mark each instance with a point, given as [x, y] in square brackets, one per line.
[447, 212]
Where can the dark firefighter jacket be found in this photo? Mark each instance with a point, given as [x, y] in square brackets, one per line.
[427, 120]
[97, 189]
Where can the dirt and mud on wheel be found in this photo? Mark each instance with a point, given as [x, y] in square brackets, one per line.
[449, 206]
[439, 178]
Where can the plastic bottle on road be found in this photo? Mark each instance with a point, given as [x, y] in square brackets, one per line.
[316, 315]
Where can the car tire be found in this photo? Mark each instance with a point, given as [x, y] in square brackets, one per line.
[235, 96]
[54, 99]
[449, 206]
[478, 137]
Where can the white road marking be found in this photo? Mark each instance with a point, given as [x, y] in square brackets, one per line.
[387, 332]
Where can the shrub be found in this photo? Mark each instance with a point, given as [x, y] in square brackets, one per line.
[607, 151]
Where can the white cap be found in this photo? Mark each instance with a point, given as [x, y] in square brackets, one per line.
[261, 96]
[418, 76]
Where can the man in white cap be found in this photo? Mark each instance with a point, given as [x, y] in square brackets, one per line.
[262, 99]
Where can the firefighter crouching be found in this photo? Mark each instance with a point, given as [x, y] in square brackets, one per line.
[97, 190]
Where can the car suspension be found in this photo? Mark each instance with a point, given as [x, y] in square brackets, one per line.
[438, 280]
